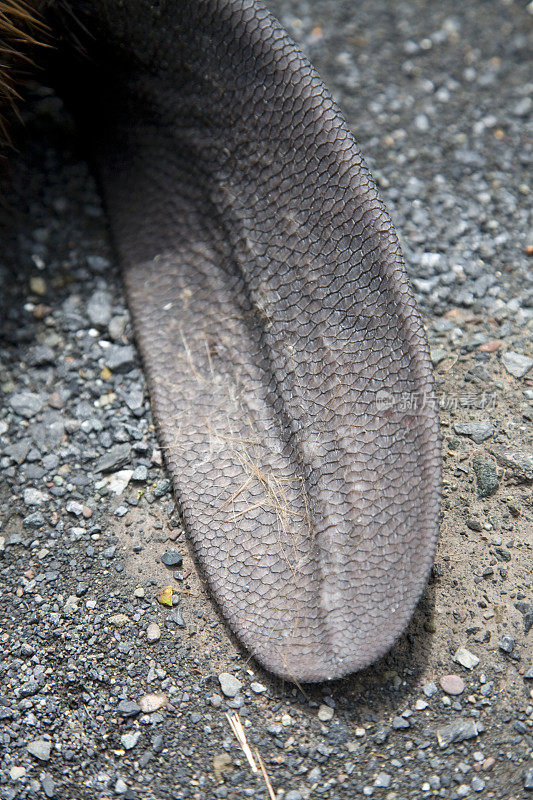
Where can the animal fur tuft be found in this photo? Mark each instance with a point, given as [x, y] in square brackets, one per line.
[22, 29]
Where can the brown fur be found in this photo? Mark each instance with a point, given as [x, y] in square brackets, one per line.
[21, 31]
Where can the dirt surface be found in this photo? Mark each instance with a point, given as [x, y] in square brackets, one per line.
[106, 692]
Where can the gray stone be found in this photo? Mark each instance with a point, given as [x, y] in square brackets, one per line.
[486, 476]
[120, 358]
[41, 356]
[506, 643]
[40, 748]
[33, 497]
[477, 431]
[33, 521]
[134, 399]
[400, 723]
[48, 434]
[381, 735]
[452, 684]
[171, 558]
[523, 107]
[229, 684]
[162, 487]
[528, 779]
[75, 508]
[325, 713]
[383, 780]
[438, 354]
[18, 451]
[99, 309]
[116, 327]
[129, 740]
[29, 688]
[116, 458]
[48, 786]
[458, 731]
[128, 708]
[98, 263]
[140, 474]
[518, 463]
[26, 404]
[516, 364]
[121, 787]
[175, 618]
[153, 632]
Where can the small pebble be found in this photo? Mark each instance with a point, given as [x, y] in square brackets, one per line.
[325, 713]
[465, 658]
[175, 618]
[486, 476]
[229, 684]
[140, 474]
[128, 708]
[400, 723]
[516, 364]
[129, 740]
[172, 558]
[457, 731]
[41, 749]
[74, 508]
[118, 620]
[383, 780]
[477, 431]
[506, 643]
[528, 779]
[15, 773]
[120, 358]
[452, 684]
[153, 632]
[26, 404]
[48, 785]
[153, 702]
[99, 309]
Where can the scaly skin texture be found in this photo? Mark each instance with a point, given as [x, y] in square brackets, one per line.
[287, 363]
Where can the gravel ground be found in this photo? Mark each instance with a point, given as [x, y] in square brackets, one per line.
[108, 688]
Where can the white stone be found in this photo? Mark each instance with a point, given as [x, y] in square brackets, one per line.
[129, 740]
[325, 713]
[466, 658]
